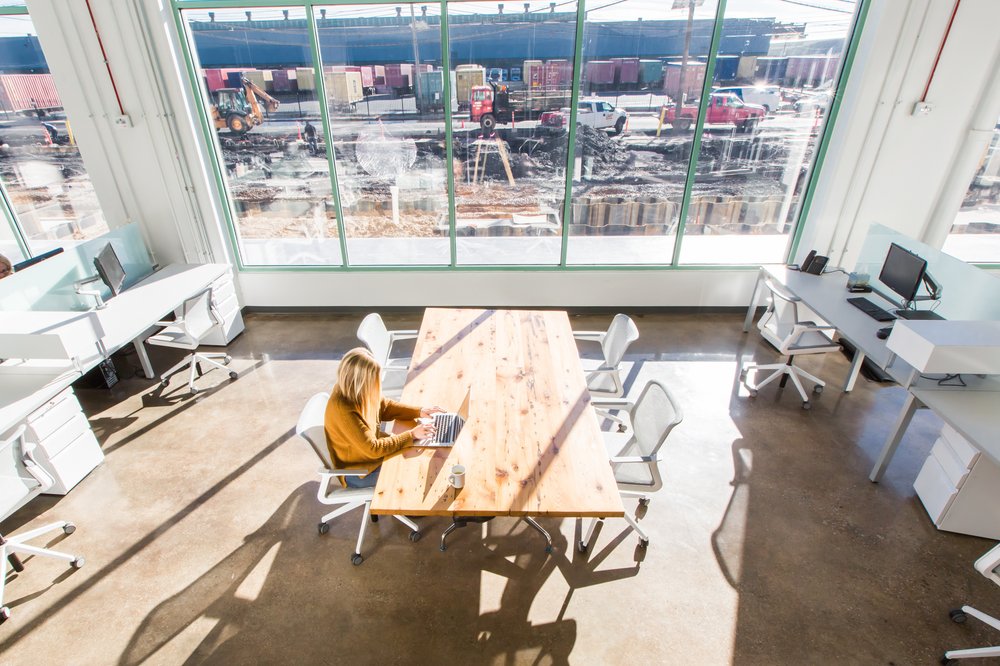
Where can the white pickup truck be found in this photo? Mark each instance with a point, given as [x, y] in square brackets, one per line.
[594, 113]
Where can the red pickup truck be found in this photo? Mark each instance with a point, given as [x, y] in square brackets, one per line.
[723, 109]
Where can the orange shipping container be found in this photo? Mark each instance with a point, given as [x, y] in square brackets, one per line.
[24, 92]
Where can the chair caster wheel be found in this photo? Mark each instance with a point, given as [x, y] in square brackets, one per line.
[946, 661]
[621, 427]
[69, 528]
[227, 360]
[548, 549]
[581, 547]
[233, 375]
[753, 393]
[164, 383]
[323, 528]
[643, 543]
[4, 614]
[958, 616]
[818, 389]
[193, 390]
[643, 501]
[374, 518]
[77, 563]
[415, 536]
[443, 548]
[356, 559]
[807, 405]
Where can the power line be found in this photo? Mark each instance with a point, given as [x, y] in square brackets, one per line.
[827, 9]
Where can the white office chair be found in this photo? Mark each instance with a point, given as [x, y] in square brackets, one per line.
[21, 479]
[989, 566]
[605, 380]
[379, 341]
[791, 335]
[311, 428]
[636, 462]
[198, 319]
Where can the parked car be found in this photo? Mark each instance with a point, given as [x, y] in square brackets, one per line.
[768, 97]
[810, 101]
[723, 108]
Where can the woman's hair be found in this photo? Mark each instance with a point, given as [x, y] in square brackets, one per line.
[359, 382]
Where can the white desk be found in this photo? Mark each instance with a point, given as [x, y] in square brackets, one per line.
[31, 386]
[973, 411]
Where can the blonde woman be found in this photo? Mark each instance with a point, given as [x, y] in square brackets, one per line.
[356, 410]
[5, 267]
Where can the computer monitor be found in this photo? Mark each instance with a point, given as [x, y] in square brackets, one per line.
[110, 269]
[902, 272]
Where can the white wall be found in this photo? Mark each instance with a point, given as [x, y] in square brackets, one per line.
[884, 165]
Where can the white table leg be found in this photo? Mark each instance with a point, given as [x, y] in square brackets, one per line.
[752, 308]
[140, 350]
[852, 375]
[892, 443]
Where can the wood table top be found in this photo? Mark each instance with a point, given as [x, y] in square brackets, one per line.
[532, 444]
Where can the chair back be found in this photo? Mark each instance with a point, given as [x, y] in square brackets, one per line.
[197, 317]
[20, 477]
[375, 336]
[622, 333]
[653, 416]
[312, 426]
[781, 316]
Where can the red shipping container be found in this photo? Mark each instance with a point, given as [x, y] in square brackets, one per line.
[694, 79]
[24, 92]
[214, 79]
[379, 72]
[626, 70]
[599, 72]
[367, 77]
[558, 73]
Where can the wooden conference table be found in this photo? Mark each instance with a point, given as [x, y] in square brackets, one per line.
[532, 444]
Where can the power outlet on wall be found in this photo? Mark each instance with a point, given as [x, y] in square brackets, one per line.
[123, 121]
[922, 109]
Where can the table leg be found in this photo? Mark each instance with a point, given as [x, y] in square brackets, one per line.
[140, 350]
[852, 375]
[892, 443]
[752, 308]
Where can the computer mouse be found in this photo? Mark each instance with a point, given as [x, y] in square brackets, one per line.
[883, 333]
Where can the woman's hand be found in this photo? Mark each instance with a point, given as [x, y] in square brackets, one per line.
[428, 411]
[423, 430]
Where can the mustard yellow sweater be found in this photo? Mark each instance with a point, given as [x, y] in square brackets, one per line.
[353, 442]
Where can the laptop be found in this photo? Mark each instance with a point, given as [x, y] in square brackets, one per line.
[447, 426]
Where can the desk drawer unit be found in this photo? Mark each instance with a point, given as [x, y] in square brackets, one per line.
[960, 487]
[65, 445]
[228, 306]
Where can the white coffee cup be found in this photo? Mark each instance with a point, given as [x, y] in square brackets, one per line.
[457, 477]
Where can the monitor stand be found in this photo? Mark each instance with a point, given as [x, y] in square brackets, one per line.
[917, 314]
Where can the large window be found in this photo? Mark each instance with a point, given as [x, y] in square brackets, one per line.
[975, 235]
[517, 134]
[42, 174]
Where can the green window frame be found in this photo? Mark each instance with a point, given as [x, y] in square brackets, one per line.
[212, 144]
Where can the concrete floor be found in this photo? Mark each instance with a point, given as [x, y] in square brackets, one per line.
[768, 543]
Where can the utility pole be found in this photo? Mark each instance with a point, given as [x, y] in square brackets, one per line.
[684, 57]
[416, 54]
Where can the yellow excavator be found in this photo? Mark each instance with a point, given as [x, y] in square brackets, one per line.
[238, 109]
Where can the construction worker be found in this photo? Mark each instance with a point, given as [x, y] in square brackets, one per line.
[503, 98]
[310, 133]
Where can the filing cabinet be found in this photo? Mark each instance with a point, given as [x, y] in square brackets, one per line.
[66, 447]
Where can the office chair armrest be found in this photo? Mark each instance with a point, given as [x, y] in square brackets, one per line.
[633, 459]
[395, 336]
[987, 564]
[590, 336]
[37, 472]
[801, 329]
[165, 323]
[601, 403]
[343, 472]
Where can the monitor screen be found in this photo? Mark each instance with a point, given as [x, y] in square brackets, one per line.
[110, 269]
[902, 272]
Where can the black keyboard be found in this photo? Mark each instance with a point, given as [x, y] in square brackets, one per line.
[446, 428]
[870, 309]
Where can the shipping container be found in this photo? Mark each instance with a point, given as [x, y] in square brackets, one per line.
[234, 78]
[368, 77]
[534, 73]
[725, 67]
[747, 68]
[398, 77]
[815, 71]
[558, 74]
[650, 72]
[430, 95]
[467, 76]
[255, 76]
[214, 79]
[281, 80]
[771, 69]
[306, 78]
[626, 71]
[27, 92]
[268, 81]
[599, 73]
[343, 88]
[694, 79]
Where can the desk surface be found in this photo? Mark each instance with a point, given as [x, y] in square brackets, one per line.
[532, 445]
